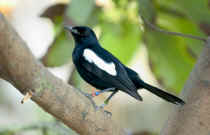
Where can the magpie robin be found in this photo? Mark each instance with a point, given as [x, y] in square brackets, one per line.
[104, 71]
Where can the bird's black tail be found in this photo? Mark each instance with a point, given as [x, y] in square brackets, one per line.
[160, 93]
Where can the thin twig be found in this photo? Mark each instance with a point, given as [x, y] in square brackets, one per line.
[152, 26]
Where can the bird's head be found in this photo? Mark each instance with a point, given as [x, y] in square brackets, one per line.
[82, 34]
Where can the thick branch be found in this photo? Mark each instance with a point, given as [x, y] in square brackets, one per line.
[54, 96]
[194, 117]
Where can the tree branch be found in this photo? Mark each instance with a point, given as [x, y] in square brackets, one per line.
[194, 117]
[53, 95]
[153, 27]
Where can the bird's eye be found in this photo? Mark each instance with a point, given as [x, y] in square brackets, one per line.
[82, 32]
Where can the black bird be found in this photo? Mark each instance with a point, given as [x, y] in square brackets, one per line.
[104, 71]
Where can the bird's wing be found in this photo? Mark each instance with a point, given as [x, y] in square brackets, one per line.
[112, 72]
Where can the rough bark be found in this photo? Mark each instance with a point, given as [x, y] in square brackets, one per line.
[194, 117]
[19, 66]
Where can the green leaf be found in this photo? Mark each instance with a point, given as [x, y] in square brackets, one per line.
[80, 10]
[60, 51]
[183, 25]
[121, 39]
[56, 14]
[7, 132]
[169, 59]
[197, 10]
[147, 9]
[54, 11]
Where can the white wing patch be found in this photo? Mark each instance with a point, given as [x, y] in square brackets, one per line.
[91, 57]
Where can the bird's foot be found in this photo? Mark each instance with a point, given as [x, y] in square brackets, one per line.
[95, 93]
[90, 96]
[101, 107]
[109, 114]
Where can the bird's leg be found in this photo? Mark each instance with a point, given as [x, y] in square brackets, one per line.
[102, 91]
[89, 96]
[96, 93]
[107, 100]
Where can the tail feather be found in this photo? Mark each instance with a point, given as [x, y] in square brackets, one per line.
[131, 92]
[134, 94]
[160, 93]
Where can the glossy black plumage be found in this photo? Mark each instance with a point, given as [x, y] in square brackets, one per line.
[97, 77]
[139, 83]
[125, 79]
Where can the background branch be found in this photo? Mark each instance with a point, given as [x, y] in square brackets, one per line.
[53, 95]
[194, 117]
[153, 27]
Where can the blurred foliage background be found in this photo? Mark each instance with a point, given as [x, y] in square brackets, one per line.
[121, 30]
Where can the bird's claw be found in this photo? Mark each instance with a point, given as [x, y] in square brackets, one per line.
[101, 107]
[94, 94]
[109, 114]
[88, 95]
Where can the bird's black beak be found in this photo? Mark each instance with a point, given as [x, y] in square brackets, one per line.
[71, 29]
